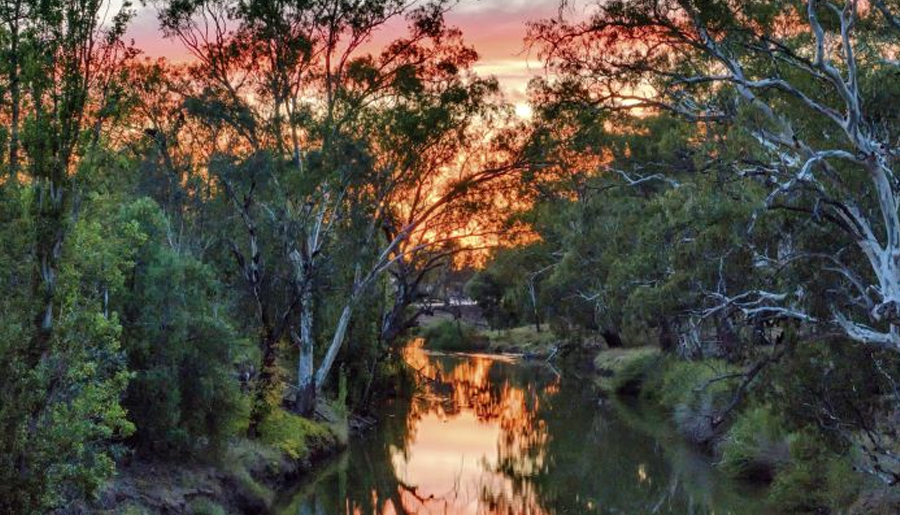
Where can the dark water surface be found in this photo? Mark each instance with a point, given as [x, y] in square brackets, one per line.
[493, 436]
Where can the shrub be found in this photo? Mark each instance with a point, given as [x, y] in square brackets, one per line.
[756, 445]
[183, 397]
[454, 336]
[630, 369]
[695, 392]
[524, 339]
[688, 382]
[294, 435]
[816, 480]
[134, 509]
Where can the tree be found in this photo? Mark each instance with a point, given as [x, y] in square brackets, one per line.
[821, 147]
[62, 372]
[368, 162]
[183, 397]
[796, 92]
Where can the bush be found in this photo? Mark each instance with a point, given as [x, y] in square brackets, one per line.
[453, 336]
[630, 368]
[294, 435]
[183, 397]
[134, 509]
[756, 445]
[816, 480]
[690, 382]
[694, 391]
[524, 339]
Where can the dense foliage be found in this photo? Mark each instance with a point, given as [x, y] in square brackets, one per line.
[718, 179]
[189, 253]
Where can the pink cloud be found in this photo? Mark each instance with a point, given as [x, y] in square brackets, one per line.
[496, 28]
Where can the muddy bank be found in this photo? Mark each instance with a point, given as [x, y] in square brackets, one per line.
[244, 478]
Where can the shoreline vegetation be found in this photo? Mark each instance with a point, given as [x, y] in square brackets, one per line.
[210, 267]
[797, 470]
[246, 478]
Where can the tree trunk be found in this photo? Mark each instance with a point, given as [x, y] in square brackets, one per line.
[265, 394]
[612, 337]
[336, 342]
[306, 386]
[51, 230]
[727, 339]
[534, 305]
[15, 103]
[667, 339]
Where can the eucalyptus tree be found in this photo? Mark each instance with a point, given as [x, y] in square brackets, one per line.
[61, 369]
[806, 81]
[331, 143]
[801, 96]
[267, 71]
[13, 16]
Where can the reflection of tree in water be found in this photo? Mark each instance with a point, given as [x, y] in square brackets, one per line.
[365, 481]
[556, 452]
[592, 462]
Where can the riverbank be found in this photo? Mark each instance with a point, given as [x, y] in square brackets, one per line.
[469, 439]
[462, 336]
[750, 441]
[245, 478]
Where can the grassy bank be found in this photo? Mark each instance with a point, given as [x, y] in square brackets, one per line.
[244, 479]
[460, 336]
[804, 472]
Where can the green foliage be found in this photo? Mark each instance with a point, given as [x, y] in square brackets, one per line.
[816, 479]
[183, 397]
[630, 369]
[453, 336]
[690, 382]
[59, 407]
[294, 435]
[696, 393]
[132, 509]
[523, 339]
[491, 291]
[831, 375]
[756, 445]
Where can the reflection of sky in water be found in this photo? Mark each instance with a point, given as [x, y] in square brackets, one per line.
[466, 423]
[495, 437]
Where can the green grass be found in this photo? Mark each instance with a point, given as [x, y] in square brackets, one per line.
[816, 480]
[691, 391]
[453, 336]
[206, 507]
[623, 371]
[689, 382]
[134, 509]
[524, 339]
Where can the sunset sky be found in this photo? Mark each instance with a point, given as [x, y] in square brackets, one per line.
[495, 27]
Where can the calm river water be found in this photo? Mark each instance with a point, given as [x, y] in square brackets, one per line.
[492, 436]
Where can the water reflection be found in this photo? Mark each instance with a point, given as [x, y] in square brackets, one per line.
[489, 436]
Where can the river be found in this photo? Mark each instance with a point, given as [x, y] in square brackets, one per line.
[491, 435]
